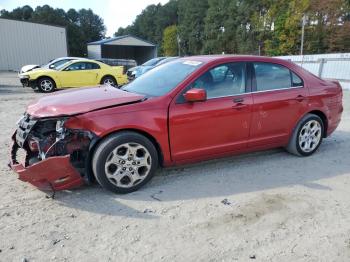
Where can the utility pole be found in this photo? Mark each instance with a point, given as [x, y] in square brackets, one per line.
[178, 44]
[302, 34]
[222, 29]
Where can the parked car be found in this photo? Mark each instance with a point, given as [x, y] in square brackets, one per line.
[76, 73]
[135, 72]
[51, 65]
[127, 63]
[188, 110]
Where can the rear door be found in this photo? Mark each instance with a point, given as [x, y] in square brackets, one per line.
[218, 125]
[279, 98]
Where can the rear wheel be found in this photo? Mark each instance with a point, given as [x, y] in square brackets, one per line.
[124, 162]
[307, 136]
[109, 80]
[46, 85]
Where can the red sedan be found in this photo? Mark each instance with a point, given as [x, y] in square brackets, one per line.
[188, 110]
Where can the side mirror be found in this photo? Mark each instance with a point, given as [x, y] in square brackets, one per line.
[52, 66]
[195, 95]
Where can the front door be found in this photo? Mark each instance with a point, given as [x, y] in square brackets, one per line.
[78, 74]
[218, 125]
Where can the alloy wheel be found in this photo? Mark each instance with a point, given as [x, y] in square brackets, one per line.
[310, 136]
[46, 85]
[128, 165]
[108, 81]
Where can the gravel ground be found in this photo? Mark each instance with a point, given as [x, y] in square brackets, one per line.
[267, 206]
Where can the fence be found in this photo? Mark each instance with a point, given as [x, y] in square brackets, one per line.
[334, 66]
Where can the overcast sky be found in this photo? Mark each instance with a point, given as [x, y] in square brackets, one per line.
[115, 13]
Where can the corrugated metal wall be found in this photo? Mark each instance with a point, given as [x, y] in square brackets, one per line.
[24, 43]
[335, 66]
[94, 51]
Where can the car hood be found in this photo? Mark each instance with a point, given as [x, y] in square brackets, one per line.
[27, 68]
[39, 70]
[82, 100]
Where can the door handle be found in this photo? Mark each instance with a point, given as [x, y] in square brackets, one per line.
[239, 106]
[238, 100]
[300, 98]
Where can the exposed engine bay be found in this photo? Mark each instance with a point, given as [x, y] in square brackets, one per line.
[47, 138]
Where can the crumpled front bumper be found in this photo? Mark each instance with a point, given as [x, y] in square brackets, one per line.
[54, 173]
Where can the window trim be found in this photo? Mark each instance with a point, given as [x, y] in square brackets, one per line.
[279, 89]
[255, 86]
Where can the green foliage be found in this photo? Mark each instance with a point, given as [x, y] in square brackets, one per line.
[191, 25]
[152, 21]
[215, 26]
[269, 26]
[170, 42]
[82, 26]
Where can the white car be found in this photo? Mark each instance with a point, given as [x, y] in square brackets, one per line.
[52, 64]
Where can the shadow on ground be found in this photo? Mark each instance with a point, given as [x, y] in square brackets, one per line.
[223, 177]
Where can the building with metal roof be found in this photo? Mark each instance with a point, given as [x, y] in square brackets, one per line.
[23, 43]
[122, 47]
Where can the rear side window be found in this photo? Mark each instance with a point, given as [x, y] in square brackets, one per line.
[90, 66]
[296, 80]
[271, 76]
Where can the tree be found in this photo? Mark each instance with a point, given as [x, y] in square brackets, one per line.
[191, 25]
[170, 46]
[248, 26]
[20, 13]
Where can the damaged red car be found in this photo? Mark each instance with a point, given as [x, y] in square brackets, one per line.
[188, 110]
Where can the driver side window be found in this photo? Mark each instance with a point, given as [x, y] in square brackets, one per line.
[223, 80]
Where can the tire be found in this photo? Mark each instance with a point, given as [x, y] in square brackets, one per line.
[307, 136]
[124, 162]
[109, 80]
[46, 85]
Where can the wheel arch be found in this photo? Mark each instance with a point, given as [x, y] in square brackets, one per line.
[318, 113]
[94, 144]
[324, 119]
[45, 76]
[108, 75]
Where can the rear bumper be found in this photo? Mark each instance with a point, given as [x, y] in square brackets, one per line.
[53, 173]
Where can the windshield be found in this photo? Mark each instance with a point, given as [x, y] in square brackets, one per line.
[153, 61]
[162, 79]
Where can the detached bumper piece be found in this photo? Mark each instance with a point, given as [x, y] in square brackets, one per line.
[51, 174]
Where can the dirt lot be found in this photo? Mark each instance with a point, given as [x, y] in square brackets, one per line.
[268, 206]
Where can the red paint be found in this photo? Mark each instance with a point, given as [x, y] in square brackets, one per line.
[71, 102]
[192, 131]
[54, 173]
[195, 95]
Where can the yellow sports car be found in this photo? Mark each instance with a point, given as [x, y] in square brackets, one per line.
[76, 73]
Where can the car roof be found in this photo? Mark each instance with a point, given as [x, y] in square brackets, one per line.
[213, 58]
[85, 60]
[67, 57]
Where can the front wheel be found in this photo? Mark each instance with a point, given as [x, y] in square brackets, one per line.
[124, 162]
[307, 136]
[46, 85]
